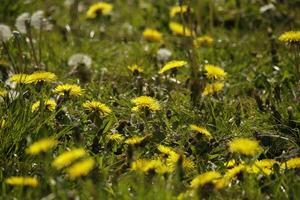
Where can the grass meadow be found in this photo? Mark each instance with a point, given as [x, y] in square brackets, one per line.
[149, 99]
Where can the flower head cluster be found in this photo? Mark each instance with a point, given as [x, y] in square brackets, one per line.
[21, 22]
[213, 88]
[40, 76]
[39, 21]
[81, 168]
[97, 107]
[22, 181]
[179, 29]
[178, 10]
[245, 146]
[173, 158]
[165, 150]
[136, 68]
[262, 166]
[163, 54]
[291, 163]
[42, 145]
[201, 130]
[162, 164]
[66, 158]
[102, 8]
[214, 72]
[49, 105]
[152, 35]
[116, 137]
[19, 78]
[135, 140]
[35, 77]
[148, 165]
[69, 89]
[229, 175]
[205, 178]
[171, 65]
[203, 41]
[79, 59]
[290, 37]
[145, 102]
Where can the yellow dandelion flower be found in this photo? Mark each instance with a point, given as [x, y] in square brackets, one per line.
[231, 163]
[204, 40]
[171, 65]
[266, 163]
[290, 37]
[145, 102]
[66, 158]
[214, 72]
[201, 130]
[102, 8]
[146, 165]
[187, 164]
[22, 180]
[39, 76]
[42, 145]
[291, 163]
[173, 158]
[262, 166]
[69, 89]
[166, 150]
[179, 29]
[3, 92]
[142, 165]
[178, 9]
[19, 78]
[245, 146]
[203, 179]
[152, 35]
[49, 105]
[116, 137]
[96, 106]
[229, 175]
[135, 68]
[81, 168]
[163, 168]
[134, 140]
[213, 88]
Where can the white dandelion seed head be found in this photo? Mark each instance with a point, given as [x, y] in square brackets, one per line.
[68, 3]
[163, 54]
[20, 22]
[267, 7]
[5, 33]
[39, 21]
[80, 59]
[127, 28]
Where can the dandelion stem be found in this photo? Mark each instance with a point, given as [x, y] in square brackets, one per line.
[297, 63]
[6, 49]
[29, 33]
